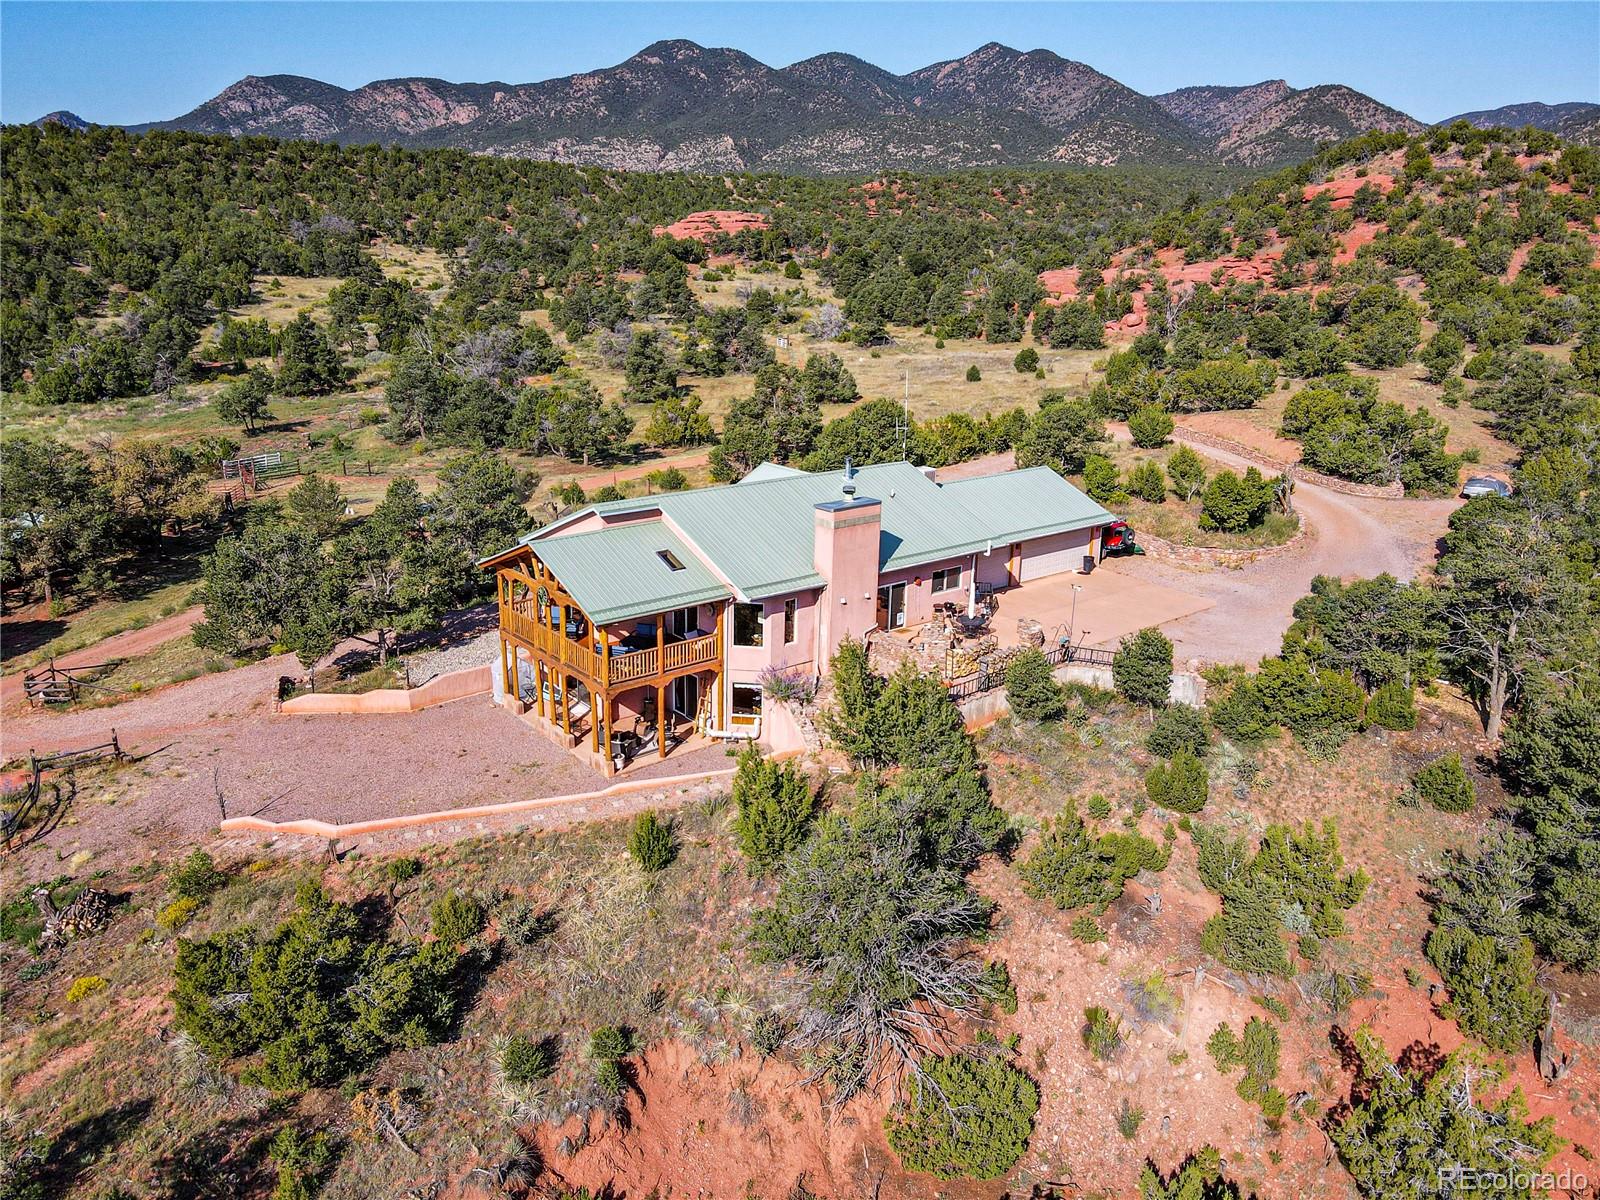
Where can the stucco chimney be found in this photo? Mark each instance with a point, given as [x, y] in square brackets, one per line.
[845, 553]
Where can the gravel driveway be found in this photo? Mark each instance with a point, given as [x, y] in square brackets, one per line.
[1351, 537]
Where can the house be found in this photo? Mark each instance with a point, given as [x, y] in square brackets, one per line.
[622, 619]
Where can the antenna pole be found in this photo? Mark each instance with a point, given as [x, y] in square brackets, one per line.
[905, 416]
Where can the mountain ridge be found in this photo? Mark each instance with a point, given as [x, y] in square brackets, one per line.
[677, 105]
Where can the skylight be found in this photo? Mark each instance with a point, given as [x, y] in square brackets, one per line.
[671, 559]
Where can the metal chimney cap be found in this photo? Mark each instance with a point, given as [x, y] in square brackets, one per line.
[849, 477]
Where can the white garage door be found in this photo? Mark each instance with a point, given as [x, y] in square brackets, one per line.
[1054, 554]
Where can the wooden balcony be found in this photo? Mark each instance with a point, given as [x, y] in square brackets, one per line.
[619, 670]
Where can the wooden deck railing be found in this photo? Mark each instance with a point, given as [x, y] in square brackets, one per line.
[637, 666]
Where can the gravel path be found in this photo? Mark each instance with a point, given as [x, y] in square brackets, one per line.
[221, 730]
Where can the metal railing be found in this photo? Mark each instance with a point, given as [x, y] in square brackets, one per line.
[987, 679]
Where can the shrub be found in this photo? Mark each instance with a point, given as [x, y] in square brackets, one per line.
[1443, 783]
[1148, 482]
[456, 918]
[1494, 995]
[1129, 1119]
[1291, 873]
[321, 998]
[1411, 1126]
[973, 374]
[1181, 785]
[1392, 706]
[1233, 504]
[1086, 929]
[1101, 1032]
[610, 1043]
[527, 1060]
[85, 985]
[1187, 470]
[1031, 688]
[1026, 361]
[651, 842]
[524, 924]
[1178, 727]
[1141, 668]
[1150, 426]
[1258, 1051]
[608, 1079]
[997, 986]
[776, 807]
[398, 870]
[1073, 870]
[1099, 807]
[196, 877]
[1225, 1050]
[768, 1031]
[178, 914]
[969, 1118]
[1102, 480]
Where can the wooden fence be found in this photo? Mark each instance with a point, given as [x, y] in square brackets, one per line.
[29, 809]
[60, 685]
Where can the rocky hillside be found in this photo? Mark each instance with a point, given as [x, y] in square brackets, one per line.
[1271, 122]
[1576, 122]
[67, 120]
[679, 106]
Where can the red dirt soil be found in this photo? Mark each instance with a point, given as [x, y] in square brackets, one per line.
[122, 645]
[1342, 191]
[707, 226]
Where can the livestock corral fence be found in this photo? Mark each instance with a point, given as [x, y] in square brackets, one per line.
[993, 674]
[29, 813]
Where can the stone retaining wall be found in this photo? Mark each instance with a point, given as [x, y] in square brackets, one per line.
[442, 689]
[1386, 491]
[1216, 556]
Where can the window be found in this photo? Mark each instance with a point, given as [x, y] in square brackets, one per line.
[947, 579]
[789, 608]
[671, 559]
[746, 701]
[747, 625]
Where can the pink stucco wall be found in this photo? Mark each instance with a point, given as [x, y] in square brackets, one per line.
[845, 553]
[920, 596]
[457, 685]
[745, 663]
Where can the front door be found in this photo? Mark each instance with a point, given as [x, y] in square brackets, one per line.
[1014, 565]
[892, 606]
[685, 692]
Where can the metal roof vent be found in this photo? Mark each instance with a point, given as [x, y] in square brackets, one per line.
[849, 477]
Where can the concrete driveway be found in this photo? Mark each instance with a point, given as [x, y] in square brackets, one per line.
[1109, 606]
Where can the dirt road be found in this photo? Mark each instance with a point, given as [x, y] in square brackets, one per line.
[130, 644]
[1351, 537]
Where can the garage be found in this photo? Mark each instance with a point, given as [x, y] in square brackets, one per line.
[1056, 553]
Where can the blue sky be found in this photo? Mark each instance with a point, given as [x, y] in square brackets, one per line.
[129, 62]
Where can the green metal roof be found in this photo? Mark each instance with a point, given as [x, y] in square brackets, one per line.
[1018, 505]
[618, 573]
[759, 533]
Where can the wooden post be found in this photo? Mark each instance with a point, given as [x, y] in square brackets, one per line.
[661, 641]
[605, 654]
[566, 704]
[661, 716]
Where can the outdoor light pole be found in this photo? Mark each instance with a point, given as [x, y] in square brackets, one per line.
[1072, 622]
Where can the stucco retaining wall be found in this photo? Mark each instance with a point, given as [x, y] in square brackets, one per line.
[1187, 688]
[457, 685]
[671, 787]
